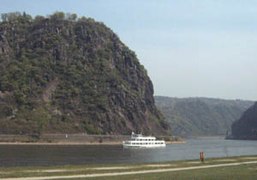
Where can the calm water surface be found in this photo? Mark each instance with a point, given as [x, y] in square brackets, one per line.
[43, 155]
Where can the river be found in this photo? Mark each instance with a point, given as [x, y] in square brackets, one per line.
[50, 155]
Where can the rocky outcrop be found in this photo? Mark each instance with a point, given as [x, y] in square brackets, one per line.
[64, 74]
[246, 127]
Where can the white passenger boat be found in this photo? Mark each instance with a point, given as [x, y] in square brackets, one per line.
[140, 141]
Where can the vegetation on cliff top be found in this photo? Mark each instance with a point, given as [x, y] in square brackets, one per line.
[62, 73]
[201, 116]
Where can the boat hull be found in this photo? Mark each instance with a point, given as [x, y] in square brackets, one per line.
[134, 145]
[144, 146]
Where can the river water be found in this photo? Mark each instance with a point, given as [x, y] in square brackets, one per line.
[49, 155]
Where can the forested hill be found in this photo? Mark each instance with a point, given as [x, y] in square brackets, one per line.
[246, 126]
[201, 116]
[62, 73]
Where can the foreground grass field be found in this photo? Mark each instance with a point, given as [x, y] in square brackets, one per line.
[242, 172]
[219, 168]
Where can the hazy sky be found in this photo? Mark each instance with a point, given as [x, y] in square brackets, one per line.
[190, 48]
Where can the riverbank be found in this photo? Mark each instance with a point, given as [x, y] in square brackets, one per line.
[72, 139]
[243, 167]
[76, 143]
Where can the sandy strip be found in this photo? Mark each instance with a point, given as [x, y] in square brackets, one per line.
[48, 170]
[111, 168]
[226, 160]
[194, 162]
[72, 170]
[75, 143]
[60, 143]
[133, 172]
[159, 165]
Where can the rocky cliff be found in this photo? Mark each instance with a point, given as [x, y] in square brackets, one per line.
[66, 74]
[246, 126]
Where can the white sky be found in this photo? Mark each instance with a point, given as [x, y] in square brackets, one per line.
[204, 48]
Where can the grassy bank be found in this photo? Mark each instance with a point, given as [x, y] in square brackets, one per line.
[223, 173]
[219, 168]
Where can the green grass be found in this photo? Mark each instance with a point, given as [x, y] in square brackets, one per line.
[248, 171]
[242, 172]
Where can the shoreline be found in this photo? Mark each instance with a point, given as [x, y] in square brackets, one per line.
[58, 143]
[76, 143]
[72, 139]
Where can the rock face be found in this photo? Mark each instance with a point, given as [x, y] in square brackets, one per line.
[201, 116]
[246, 127]
[63, 74]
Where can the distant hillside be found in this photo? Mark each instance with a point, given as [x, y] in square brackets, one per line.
[246, 126]
[200, 116]
[64, 74]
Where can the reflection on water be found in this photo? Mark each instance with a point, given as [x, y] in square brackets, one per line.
[43, 155]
